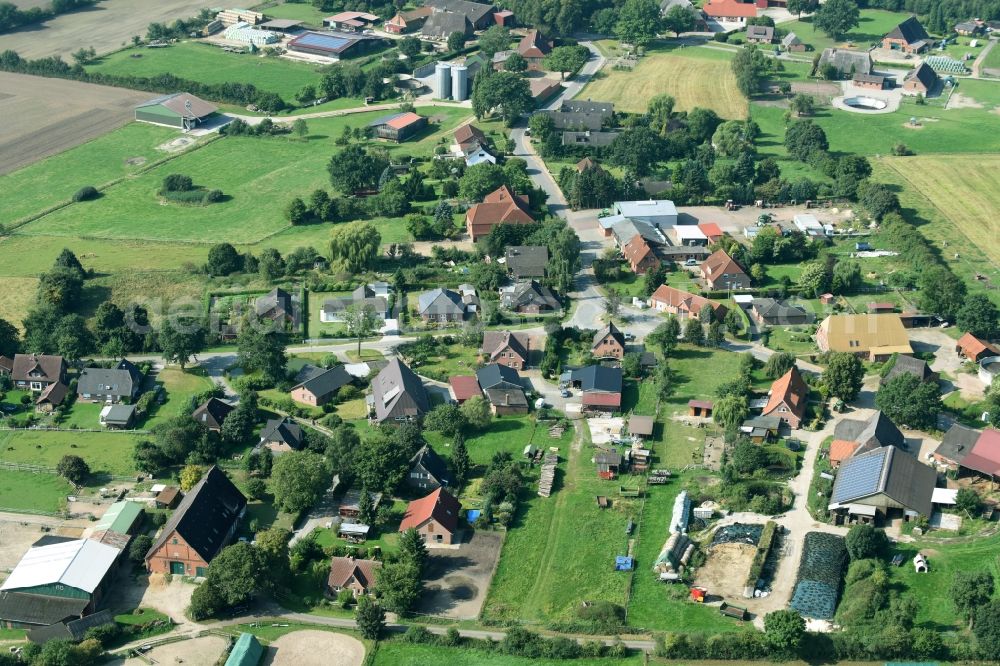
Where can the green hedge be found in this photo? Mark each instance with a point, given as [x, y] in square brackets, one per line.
[763, 549]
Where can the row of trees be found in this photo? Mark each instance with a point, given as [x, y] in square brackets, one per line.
[13, 18]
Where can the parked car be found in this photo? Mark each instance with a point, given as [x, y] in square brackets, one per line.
[566, 393]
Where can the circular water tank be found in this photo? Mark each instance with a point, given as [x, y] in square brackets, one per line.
[442, 80]
[989, 368]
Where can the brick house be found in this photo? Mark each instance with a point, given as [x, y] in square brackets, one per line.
[608, 342]
[506, 348]
[721, 271]
[348, 573]
[500, 206]
[640, 255]
[908, 37]
[533, 47]
[203, 524]
[320, 386]
[683, 304]
[787, 399]
[435, 517]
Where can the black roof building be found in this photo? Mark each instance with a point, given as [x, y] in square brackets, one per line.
[321, 382]
[957, 443]
[206, 515]
[598, 378]
[282, 431]
[498, 377]
[910, 31]
[525, 261]
[887, 477]
[212, 413]
[21, 608]
[440, 25]
[877, 432]
[908, 365]
[428, 471]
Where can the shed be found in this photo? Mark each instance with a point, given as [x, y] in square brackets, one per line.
[641, 426]
[121, 517]
[181, 110]
[701, 408]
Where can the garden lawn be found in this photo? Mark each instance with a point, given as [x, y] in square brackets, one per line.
[317, 327]
[180, 388]
[55, 179]
[105, 452]
[938, 131]
[211, 65]
[398, 653]
[505, 434]
[694, 77]
[258, 176]
[28, 492]
[17, 295]
[931, 590]
[992, 60]
[873, 25]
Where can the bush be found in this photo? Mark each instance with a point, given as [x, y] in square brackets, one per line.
[418, 634]
[176, 182]
[86, 193]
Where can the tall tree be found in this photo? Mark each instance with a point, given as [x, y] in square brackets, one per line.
[679, 19]
[370, 618]
[413, 549]
[354, 247]
[73, 468]
[262, 350]
[971, 590]
[495, 39]
[778, 364]
[837, 17]
[355, 168]
[505, 94]
[360, 321]
[730, 411]
[566, 59]
[299, 479]
[223, 259]
[60, 287]
[694, 332]
[844, 375]
[460, 462]
[941, 291]
[979, 316]
[180, 338]
[10, 342]
[909, 401]
[638, 22]
[398, 586]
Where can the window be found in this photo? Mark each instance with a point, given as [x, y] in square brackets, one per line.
[174, 541]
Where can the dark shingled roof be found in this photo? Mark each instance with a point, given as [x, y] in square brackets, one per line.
[323, 382]
[909, 31]
[123, 380]
[611, 330]
[599, 378]
[212, 413]
[923, 73]
[442, 24]
[398, 392]
[39, 609]
[907, 365]
[527, 260]
[74, 630]
[435, 466]
[205, 515]
[888, 470]
[877, 431]
[957, 443]
[282, 430]
[498, 376]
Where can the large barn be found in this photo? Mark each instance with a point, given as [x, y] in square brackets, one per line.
[333, 45]
[181, 110]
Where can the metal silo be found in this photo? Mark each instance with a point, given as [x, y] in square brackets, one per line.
[442, 80]
[459, 83]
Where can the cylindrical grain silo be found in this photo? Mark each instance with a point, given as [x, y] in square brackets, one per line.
[459, 83]
[442, 80]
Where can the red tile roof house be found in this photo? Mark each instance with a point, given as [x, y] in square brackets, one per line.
[729, 10]
[500, 206]
[506, 348]
[787, 399]
[435, 517]
[841, 450]
[464, 387]
[398, 127]
[683, 304]
[640, 255]
[974, 349]
[533, 47]
[721, 271]
[347, 573]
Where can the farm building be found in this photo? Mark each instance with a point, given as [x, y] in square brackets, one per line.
[203, 524]
[907, 365]
[701, 408]
[875, 432]
[787, 398]
[121, 517]
[398, 127]
[245, 33]
[527, 261]
[729, 10]
[972, 450]
[480, 15]
[542, 89]
[880, 483]
[847, 63]
[921, 81]
[908, 37]
[440, 25]
[660, 213]
[464, 387]
[640, 255]
[181, 110]
[791, 42]
[875, 337]
[534, 47]
[500, 206]
[690, 235]
[970, 28]
[972, 348]
[332, 45]
[351, 21]
[235, 15]
[435, 517]
[57, 580]
[282, 25]
[408, 21]
[601, 387]
[350, 503]
[869, 81]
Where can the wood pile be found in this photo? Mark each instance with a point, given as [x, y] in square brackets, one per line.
[548, 474]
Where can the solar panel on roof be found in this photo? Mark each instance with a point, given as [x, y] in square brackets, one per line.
[321, 41]
[859, 476]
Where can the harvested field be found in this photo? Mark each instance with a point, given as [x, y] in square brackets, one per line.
[691, 80]
[43, 117]
[963, 191]
[312, 647]
[17, 295]
[106, 26]
[204, 650]
[725, 571]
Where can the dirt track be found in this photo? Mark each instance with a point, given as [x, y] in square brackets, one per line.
[43, 117]
[106, 26]
[311, 647]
